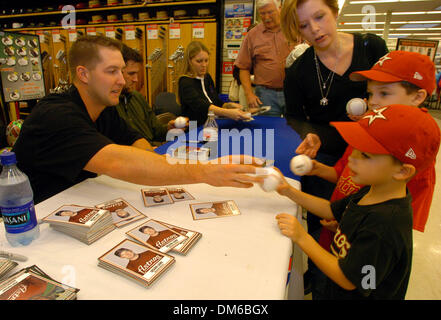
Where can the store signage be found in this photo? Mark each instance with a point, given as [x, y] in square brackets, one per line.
[198, 30]
[152, 32]
[175, 31]
[130, 32]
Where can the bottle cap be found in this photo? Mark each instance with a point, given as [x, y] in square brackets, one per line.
[7, 157]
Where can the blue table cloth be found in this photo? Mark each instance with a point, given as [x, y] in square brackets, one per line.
[265, 137]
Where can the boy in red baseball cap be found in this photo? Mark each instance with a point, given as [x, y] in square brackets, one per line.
[399, 77]
[371, 254]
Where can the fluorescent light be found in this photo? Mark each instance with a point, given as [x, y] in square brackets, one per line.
[393, 13]
[393, 22]
[415, 12]
[394, 29]
[383, 1]
[341, 3]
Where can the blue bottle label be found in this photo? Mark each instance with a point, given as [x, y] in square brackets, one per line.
[19, 219]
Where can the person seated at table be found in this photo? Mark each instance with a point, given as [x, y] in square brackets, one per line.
[134, 108]
[75, 135]
[197, 93]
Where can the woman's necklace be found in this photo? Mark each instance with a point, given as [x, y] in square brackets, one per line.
[324, 84]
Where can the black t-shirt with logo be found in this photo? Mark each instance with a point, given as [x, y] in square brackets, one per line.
[59, 138]
[374, 247]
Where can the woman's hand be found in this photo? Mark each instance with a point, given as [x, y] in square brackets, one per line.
[232, 105]
[237, 114]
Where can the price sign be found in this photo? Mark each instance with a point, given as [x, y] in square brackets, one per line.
[198, 30]
[175, 31]
[152, 32]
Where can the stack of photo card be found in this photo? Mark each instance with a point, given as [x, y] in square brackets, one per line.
[136, 262]
[6, 265]
[122, 212]
[86, 224]
[33, 284]
[193, 237]
[160, 196]
[218, 209]
[157, 235]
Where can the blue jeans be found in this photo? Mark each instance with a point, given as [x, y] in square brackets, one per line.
[273, 98]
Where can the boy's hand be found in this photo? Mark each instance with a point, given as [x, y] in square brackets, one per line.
[310, 145]
[290, 226]
[283, 186]
[315, 168]
[331, 225]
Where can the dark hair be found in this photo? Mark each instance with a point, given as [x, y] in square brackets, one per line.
[130, 54]
[410, 87]
[144, 227]
[61, 211]
[85, 51]
[120, 250]
[199, 210]
[236, 74]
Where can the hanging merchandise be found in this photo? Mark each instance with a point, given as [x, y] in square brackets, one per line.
[21, 69]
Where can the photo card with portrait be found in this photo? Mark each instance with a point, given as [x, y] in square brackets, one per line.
[29, 285]
[73, 214]
[179, 194]
[193, 237]
[157, 235]
[86, 224]
[122, 212]
[136, 262]
[217, 209]
[156, 197]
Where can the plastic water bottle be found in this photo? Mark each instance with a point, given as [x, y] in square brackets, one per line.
[16, 203]
[211, 130]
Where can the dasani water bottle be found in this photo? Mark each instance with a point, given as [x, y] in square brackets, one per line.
[16, 203]
[210, 130]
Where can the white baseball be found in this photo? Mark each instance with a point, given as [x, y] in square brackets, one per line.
[271, 182]
[356, 107]
[300, 165]
[180, 122]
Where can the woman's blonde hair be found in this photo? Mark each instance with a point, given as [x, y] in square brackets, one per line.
[191, 51]
[288, 17]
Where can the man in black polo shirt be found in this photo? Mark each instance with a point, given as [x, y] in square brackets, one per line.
[74, 135]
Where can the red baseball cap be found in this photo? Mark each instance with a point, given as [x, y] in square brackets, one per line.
[408, 133]
[398, 66]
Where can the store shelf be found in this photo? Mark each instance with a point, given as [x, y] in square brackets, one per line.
[109, 8]
[116, 24]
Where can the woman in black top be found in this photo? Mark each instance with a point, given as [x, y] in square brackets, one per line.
[197, 93]
[317, 85]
